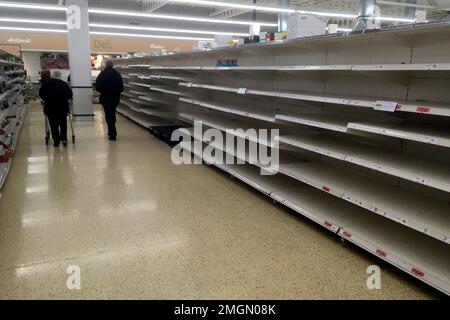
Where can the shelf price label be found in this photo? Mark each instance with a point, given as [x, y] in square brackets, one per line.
[431, 140]
[381, 253]
[420, 180]
[242, 91]
[389, 106]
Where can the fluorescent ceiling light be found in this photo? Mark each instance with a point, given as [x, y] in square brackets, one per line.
[263, 8]
[329, 14]
[235, 5]
[108, 34]
[113, 26]
[405, 4]
[198, 19]
[33, 29]
[147, 36]
[172, 17]
[134, 14]
[37, 21]
[123, 27]
[31, 6]
[395, 19]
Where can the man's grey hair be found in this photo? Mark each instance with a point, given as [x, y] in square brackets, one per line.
[56, 74]
[107, 63]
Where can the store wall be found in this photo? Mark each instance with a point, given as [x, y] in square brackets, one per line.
[99, 44]
[32, 62]
[33, 44]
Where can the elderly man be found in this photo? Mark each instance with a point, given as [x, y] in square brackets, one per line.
[56, 95]
[110, 85]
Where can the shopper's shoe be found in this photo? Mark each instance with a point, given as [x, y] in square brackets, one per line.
[64, 142]
[56, 144]
[112, 138]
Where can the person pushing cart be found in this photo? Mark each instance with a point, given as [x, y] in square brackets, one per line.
[56, 95]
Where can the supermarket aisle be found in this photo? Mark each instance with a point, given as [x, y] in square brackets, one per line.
[140, 227]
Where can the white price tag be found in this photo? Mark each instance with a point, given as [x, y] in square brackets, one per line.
[379, 67]
[378, 167]
[242, 91]
[431, 140]
[189, 84]
[374, 209]
[431, 66]
[385, 106]
[420, 180]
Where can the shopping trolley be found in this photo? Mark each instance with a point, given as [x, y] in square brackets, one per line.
[47, 129]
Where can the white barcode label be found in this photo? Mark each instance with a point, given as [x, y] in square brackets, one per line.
[430, 140]
[242, 91]
[389, 106]
[420, 180]
[378, 167]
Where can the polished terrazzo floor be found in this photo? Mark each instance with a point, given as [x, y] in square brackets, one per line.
[140, 227]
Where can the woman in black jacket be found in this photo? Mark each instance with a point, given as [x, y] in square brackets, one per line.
[56, 95]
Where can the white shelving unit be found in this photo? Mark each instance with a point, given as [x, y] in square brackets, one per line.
[228, 109]
[143, 118]
[432, 134]
[12, 109]
[364, 126]
[428, 263]
[323, 121]
[228, 125]
[434, 174]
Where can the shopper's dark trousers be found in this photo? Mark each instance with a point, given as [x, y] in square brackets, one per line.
[110, 117]
[58, 127]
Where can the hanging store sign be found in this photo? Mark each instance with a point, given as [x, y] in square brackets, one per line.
[18, 40]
